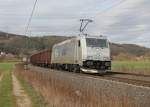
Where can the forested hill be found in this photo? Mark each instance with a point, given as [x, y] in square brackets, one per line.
[18, 44]
[130, 49]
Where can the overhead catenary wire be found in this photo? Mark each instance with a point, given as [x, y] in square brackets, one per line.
[91, 18]
[107, 9]
[29, 21]
[31, 16]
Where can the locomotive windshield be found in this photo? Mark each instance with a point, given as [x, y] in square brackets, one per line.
[92, 42]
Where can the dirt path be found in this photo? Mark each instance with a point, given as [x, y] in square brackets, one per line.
[22, 98]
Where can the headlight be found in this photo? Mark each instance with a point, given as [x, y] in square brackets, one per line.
[107, 63]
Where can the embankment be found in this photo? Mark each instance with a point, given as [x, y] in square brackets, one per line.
[63, 89]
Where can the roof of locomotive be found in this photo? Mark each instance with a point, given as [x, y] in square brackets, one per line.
[78, 37]
[92, 36]
[63, 42]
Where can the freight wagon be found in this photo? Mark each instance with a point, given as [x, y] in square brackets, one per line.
[42, 58]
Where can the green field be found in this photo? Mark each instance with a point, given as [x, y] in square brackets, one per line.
[132, 66]
[6, 95]
[7, 99]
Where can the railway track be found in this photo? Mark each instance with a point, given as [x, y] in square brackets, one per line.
[134, 79]
[130, 78]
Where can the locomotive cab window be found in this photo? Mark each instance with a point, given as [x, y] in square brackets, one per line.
[92, 42]
[79, 44]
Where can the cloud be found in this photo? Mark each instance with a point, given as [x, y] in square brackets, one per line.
[127, 23]
[123, 21]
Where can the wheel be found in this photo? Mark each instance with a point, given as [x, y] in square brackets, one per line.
[70, 68]
[76, 69]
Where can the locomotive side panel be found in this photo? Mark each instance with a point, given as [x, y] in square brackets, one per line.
[65, 53]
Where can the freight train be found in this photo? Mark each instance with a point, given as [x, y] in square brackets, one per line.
[90, 54]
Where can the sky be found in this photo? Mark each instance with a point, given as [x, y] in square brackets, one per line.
[122, 21]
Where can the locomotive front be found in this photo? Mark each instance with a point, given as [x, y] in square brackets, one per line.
[96, 54]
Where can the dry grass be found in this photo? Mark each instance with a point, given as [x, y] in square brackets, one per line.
[62, 89]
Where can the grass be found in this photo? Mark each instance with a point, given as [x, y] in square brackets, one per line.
[66, 90]
[7, 99]
[135, 66]
[37, 100]
[6, 67]
[131, 64]
[9, 60]
[6, 94]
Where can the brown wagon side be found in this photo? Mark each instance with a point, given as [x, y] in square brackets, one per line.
[42, 58]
